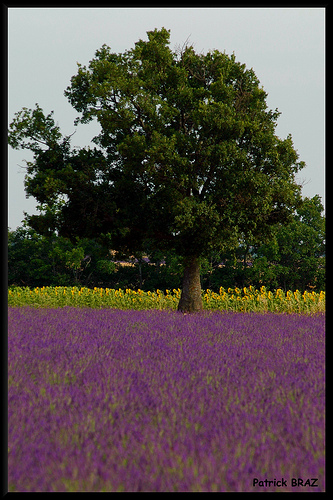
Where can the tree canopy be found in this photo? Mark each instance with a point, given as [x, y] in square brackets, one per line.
[187, 157]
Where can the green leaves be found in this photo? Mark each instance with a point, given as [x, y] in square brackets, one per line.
[31, 129]
[74, 258]
[297, 248]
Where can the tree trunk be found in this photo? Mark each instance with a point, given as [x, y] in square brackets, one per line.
[190, 300]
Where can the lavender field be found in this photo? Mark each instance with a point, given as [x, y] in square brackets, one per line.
[114, 400]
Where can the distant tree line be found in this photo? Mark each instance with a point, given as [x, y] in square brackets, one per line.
[293, 259]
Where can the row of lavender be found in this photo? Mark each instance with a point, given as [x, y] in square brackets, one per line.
[111, 400]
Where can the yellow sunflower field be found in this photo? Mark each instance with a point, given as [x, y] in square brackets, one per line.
[232, 299]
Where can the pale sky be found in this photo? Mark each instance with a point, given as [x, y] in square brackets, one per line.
[284, 46]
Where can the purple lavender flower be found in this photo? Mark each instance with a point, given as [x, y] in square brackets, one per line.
[110, 400]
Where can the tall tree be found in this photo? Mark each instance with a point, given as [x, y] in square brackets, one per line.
[188, 157]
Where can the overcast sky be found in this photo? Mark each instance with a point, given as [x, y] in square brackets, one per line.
[284, 46]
